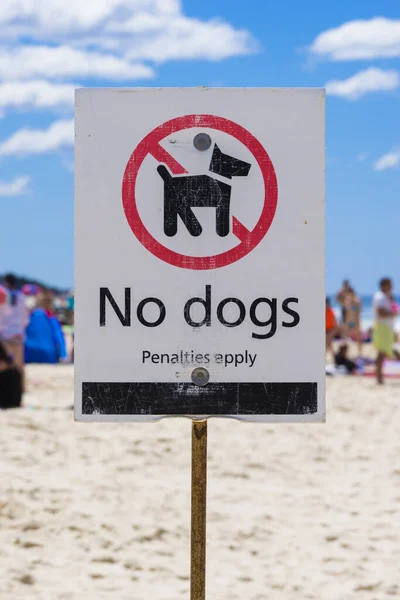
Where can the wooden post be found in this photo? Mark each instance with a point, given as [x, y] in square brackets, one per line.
[199, 506]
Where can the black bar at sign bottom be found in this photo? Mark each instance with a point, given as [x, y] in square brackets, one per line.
[188, 399]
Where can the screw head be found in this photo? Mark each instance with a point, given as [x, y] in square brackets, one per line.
[200, 376]
[202, 141]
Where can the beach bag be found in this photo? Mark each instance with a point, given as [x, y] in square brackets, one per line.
[10, 388]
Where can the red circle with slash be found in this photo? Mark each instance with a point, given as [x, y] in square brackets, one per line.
[151, 145]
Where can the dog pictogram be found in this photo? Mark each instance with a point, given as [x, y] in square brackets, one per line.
[184, 192]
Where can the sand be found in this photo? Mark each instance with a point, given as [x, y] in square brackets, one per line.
[98, 511]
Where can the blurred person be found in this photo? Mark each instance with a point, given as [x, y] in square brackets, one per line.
[3, 304]
[352, 323]
[385, 312]
[45, 301]
[30, 291]
[342, 359]
[331, 327]
[10, 381]
[45, 342]
[14, 322]
[70, 302]
[341, 298]
[70, 307]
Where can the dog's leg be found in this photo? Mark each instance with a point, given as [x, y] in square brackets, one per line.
[189, 219]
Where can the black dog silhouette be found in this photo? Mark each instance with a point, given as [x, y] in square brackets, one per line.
[183, 192]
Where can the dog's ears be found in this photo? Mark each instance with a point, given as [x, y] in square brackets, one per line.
[228, 166]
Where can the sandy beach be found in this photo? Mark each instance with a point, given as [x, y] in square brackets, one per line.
[98, 511]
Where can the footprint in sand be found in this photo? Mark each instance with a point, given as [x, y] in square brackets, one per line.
[104, 559]
[27, 579]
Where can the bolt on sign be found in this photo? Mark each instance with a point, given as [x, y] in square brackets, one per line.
[200, 254]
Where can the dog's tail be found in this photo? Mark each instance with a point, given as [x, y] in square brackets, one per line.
[164, 173]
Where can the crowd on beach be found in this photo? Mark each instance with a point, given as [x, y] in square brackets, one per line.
[32, 323]
[348, 327]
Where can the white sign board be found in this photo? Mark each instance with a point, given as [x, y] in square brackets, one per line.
[200, 254]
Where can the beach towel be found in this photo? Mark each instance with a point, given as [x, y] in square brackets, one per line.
[383, 338]
[391, 369]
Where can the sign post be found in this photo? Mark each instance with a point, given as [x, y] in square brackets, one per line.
[200, 262]
[199, 510]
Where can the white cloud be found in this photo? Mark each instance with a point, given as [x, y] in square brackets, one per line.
[59, 134]
[354, 40]
[388, 161]
[16, 187]
[68, 164]
[154, 30]
[109, 40]
[36, 94]
[364, 82]
[71, 17]
[64, 62]
[183, 38]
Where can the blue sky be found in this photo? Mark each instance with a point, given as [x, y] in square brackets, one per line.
[48, 48]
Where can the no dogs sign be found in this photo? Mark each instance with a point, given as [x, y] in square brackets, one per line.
[200, 256]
